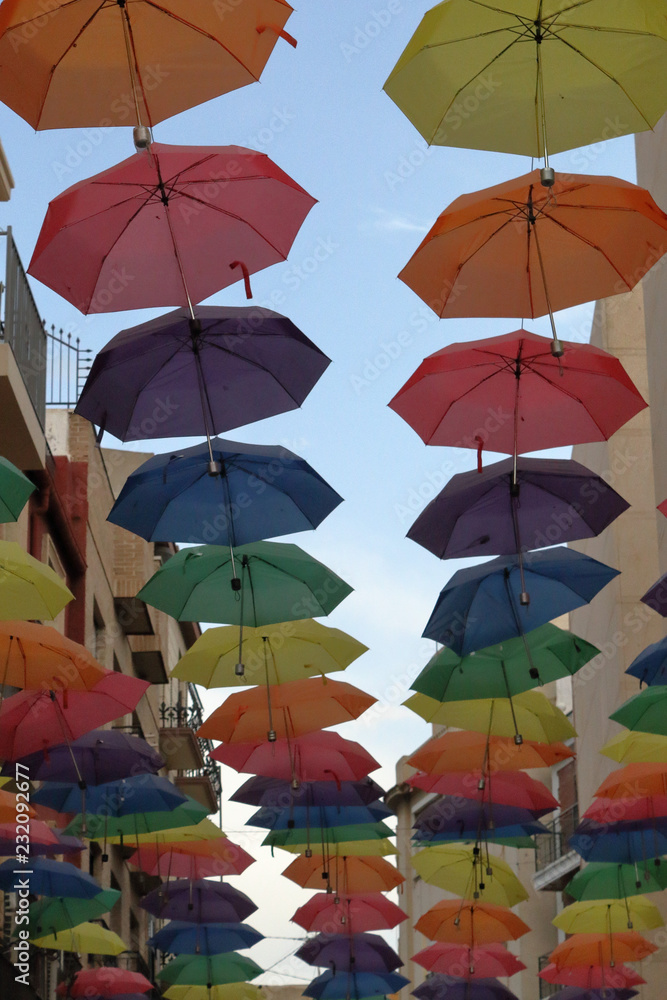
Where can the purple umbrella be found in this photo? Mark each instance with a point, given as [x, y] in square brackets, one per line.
[443, 987]
[175, 376]
[65, 845]
[454, 814]
[656, 596]
[199, 901]
[577, 993]
[361, 952]
[553, 501]
[280, 794]
[102, 755]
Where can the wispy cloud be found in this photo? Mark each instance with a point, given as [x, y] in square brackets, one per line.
[393, 222]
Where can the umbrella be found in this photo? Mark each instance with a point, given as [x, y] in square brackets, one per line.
[510, 394]
[208, 969]
[609, 916]
[192, 860]
[114, 828]
[470, 874]
[37, 656]
[179, 58]
[50, 878]
[85, 937]
[500, 511]
[142, 793]
[108, 982]
[467, 818]
[516, 788]
[323, 836]
[180, 937]
[347, 876]
[362, 952]
[28, 588]
[530, 713]
[15, 490]
[293, 709]
[185, 221]
[635, 780]
[227, 367]
[334, 816]
[199, 902]
[616, 881]
[508, 668]
[630, 809]
[459, 922]
[97, 757]
[195, 835]
[32, 721]
[516, 832]
[580, 949]
[348, 914]
[656, 596]
[644, 711]
[489, 603]
[375, 847]
[462, 752]
[358, 983]
[40, 837]
[650, 667]
[634, 747]
[280, 794]
[445, 987]
[288, 651]
[54, 843]
[226, 991]
[620, 843]
[602, 977]
[223, 492]
[319, 756]
[541, 76]
[576, 993]
[466, 962]
[56, 914]
[8, 802]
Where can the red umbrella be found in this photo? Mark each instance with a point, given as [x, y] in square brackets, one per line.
[613, 810]
[331, 914]
[510, 394]
[169, 226]
[192, 860]
[464, 962]
[37, 720]
[106, 981]
[593, 977]
[503, 788]
[314, 757]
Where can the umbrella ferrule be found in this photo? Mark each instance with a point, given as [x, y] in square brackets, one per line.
[518, 740]
[239, 669]
[524, 599]
[236, 583]
[214, 468]
[141, 134]
[548, 177]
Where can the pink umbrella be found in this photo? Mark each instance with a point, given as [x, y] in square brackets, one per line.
[331, 914]
[320, 756]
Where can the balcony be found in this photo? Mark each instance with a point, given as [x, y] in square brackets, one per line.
[186, 752]
[555, 863]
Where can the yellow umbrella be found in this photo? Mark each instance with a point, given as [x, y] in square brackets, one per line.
[459, 870]
[28, 588]
[228, 991]
[609, 916]
[205, 830]
[631, 747]
[84, 938]
[273, 654]
[380, 848]
[529, 714]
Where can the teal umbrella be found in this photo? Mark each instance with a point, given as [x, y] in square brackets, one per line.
[15, 489]
[101, 827]
[48, 916]
[204, 970]
[600, 880]
[646, 711]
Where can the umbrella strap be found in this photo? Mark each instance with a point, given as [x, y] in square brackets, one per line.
[261, 28]
[246, 276]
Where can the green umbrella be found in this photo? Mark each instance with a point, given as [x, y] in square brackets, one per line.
[613, 881]
[202, 970]
[646, 711]
[48, 916]
[258, 584]
[15, 488]
[110, 828]
[316, 836]
[506, 669]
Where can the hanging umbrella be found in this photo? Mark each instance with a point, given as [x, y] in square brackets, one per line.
[630, 809]
[15, 490]
[180, 57]
[97, 757]
[514, 831]
[634, 747]
[288, 651]
[489, 603]
[141, 793]
[8, 802]
[51, 878]
[503, 511]
[226, 991]
[279, 794]
[113, 829]
[462, 752]
[616, 881]
[441, 987]
[37, 656]
[479, 962]
[42, 838]
[333, 816]
[469, 873]
[650, 667]
[376, 847]
[228, 367]
[223, 492]
[609, 916]
[645, 711]
[348, 914]
[505, 669]
[510, 394]
[56, 914]
[582, 949]
[192, 860]
[28, 588]
[319, 756]
[346, 875]
[199, 902]
[468, 819]
[324, 836]
[54, 842]
[620, 843]
[32, 721]
[516, 788]
[576, 993]
[86, 937]
[292, 710]
[195, 835]
[208, 969]
[635, 780]
[358, 983]
[179, 937]
[184, 221]
[656, 596]
[473, 924]
[349, 952]
[601, 977]
[108, 982]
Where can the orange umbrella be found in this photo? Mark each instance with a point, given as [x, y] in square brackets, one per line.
[347, 875]
[38, 657]
[601, 949]
[192, 860]
[462, 922]
[8, 810]
[467, 751]
[71, 65]
[288, 710]
[634, 781]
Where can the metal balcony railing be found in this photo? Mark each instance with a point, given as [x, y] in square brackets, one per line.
[190, 713]
[554, 845]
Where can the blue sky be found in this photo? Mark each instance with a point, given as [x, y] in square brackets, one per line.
[320, 113]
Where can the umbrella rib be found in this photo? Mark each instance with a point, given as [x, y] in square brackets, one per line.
[232, 215]
[584, 239]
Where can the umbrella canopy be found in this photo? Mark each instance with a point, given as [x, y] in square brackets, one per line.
[180, 58]
[631, 809]
[323, 836]
[288, 651]
[346, 875]
[502, 510]
[535, 249]
[15, 490]
[445, 987]
[85, 937]
[467, 818]
[656, 596]
[609, 916]
[616, 881]
[202, 970]
[199, 902]
[514, 788]
[635, 780]
[226, 991]
[32, 721]
[185, 221]
[54, 842]
[56, 914]
[284, 584]
[487, 604]
[645, 711]
[8, 802]
[517, 832]
[467, 962]
[339, 985]
[319, 756]
[465, 873]
[295, 709]
[510, 394]
[631, 747]
[601, 977]
[44, 839]
[650, 667]
[375, 847]
[508, 668]
[142, 793]
[51, 878]
[112, 828]
[100, 756]
[576, 993]
[620, 843]
[461, 752]
[279, 794]
[179, 937]
[459, 922]
[257, 492]
[108, 982]
[194, 860]
[28, 588]
[271, 818]
[606, 949]
[361, 952]
[37, 656]
[227, 367]
[348, 914]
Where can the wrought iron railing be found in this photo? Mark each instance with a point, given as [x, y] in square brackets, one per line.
[554, 845]
[189, 713]
[68, 364]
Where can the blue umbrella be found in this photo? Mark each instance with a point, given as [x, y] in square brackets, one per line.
[182, 938]
[50, 878]
[228, 494]
[320, 816]
[482, 605]
[143, 793]
[339, 985]
[621, 843]
[650, 667]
